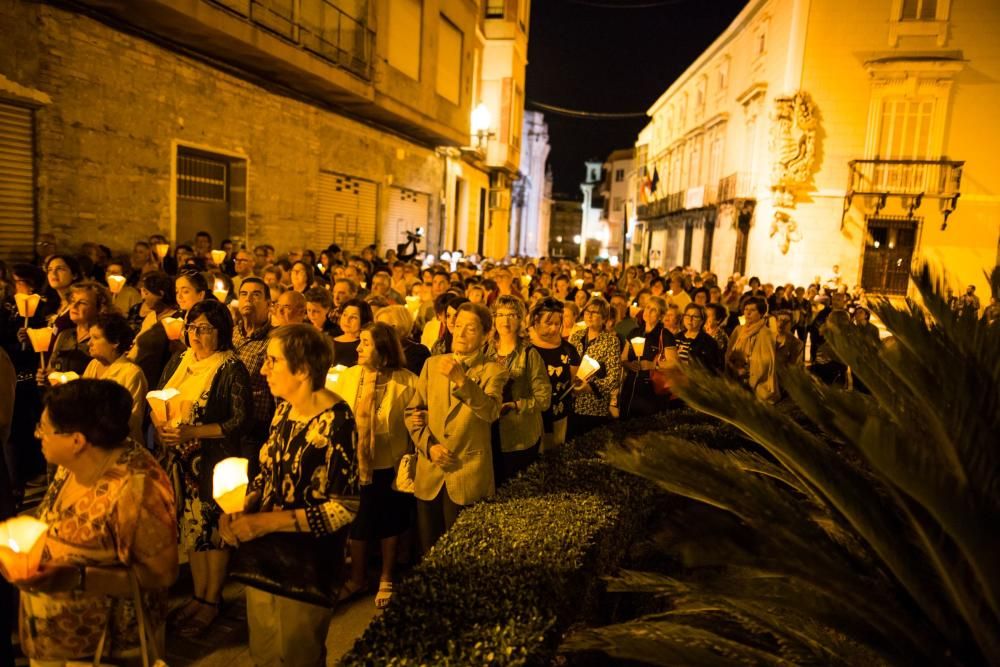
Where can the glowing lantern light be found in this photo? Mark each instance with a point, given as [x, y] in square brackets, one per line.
[413, 304]
[27, 304]
[333, 376]
[229, 484]
[588, 366]
[161, 249]
[219, 288]
[218, 256]
[174, 327]
[638, 345]
[115, 283]
[634, 309]
[62, 378]
[21, 546]
[579, 283]
[40, 339]
[525, 280]
[164, 404]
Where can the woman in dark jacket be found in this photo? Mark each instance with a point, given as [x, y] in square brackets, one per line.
[205, 425]
[693, 345]
[638, 398]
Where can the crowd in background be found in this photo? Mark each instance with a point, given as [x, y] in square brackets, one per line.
[374, 398]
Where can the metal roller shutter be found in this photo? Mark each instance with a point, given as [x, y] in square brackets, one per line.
[408, 210]
[345, 211]
[17, 183]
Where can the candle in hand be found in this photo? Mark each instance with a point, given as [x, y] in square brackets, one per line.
[218, 256]
[162, 403]
[27, 304]
[115, 283]
[333, 376]
[21, 546]
[174, 327]
[40, 338]
[229, 484]
[62, 378]
[638, 344]
[588, 366]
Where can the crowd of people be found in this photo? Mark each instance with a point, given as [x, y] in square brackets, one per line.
[372, 397]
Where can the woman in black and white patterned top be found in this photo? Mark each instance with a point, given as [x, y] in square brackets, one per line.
[596, 396]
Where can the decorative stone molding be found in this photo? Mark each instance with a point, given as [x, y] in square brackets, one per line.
[783, 226]
[793, 146]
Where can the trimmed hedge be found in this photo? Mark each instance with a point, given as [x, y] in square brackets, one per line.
[515, 571]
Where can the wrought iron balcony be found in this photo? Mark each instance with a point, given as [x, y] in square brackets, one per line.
[739, 185]
[910, 180]
[317, 26]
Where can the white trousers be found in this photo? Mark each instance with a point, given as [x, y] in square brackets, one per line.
[286, 632]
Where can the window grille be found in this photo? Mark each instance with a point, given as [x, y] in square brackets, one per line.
[202, 178]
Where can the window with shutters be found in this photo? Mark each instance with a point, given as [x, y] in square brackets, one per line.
[17, 182]
[449, 64]
[905, 132]
[404, 28]
[919, 18]
[346, 211]
[918, 10]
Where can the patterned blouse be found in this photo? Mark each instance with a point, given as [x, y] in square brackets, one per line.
[311, 465]
[127, 518]
[605, 350]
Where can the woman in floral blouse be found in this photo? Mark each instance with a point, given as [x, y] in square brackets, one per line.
[597, 395]
[109, 510]
[308, 483]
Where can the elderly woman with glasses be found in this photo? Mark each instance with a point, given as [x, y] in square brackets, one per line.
[71, 348]
[598, 394]
[561, 361]
[300, 504]
[110, 338]
[213, 408]
[526, 395]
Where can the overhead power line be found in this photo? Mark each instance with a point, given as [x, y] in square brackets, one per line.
[590, 115]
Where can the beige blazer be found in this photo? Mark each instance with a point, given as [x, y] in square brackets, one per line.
[390, 429]
[460, 420]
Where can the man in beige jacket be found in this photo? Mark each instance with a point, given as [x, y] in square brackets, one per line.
[458, 397]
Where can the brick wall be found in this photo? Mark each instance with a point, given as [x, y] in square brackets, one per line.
[120, 105]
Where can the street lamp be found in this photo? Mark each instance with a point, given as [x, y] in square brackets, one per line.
[481, 121]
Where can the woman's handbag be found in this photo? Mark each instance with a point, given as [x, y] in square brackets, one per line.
[658, 376]
[406, 473]
[300, 566]
[147, 637]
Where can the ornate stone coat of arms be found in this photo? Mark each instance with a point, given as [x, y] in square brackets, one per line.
[793, 146]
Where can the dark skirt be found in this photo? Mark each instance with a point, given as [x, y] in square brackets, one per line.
[384, 512]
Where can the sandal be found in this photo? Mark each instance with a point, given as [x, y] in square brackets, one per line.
[349, 593]
[384, 594]
[196, 624]
[186, 610]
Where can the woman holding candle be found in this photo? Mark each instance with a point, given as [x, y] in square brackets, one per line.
[110, 339]
[561, 362]
[214, 383]
[378, 390]
[110, 516]
[526, 395]
[62, 271]
[124, 296]
[646, 346]
[598, 394]
[354, 314]
[308, 484]
[71, 348]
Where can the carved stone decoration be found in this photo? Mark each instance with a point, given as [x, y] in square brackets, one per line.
[793, 145]
[786, 229]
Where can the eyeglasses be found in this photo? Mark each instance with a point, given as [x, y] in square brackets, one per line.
[692, 317]
[199, 329]
[593, 312]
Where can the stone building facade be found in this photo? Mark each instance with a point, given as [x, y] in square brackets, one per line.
[823, 137]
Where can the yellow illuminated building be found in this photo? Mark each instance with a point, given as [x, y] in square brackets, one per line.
[830, 138]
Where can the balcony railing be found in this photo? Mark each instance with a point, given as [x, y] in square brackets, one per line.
[739, 185]
[317, 26]
[911, 181]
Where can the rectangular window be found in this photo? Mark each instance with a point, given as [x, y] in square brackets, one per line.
[918, 10]
[495, 9]
[723, 76]
[202, 178]
[617, 206]
[404, 30]
[905, 129]
[17, 182]
[449, 64]
[619, 175]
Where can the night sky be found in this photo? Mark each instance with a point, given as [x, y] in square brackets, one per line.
[592, 55]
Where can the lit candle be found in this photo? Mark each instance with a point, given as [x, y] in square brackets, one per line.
[40, 339]
[579, 283]
[21, 545]
[634, 309]
[164, 403]
[525, 280]
[638, 344]
[62, 378]
[596, 294]
[229, 484]
[219, 288]
[218, 256]
[413, 304]
[333, 376]
[27, 304]
[116, 283]
[581, 325]
[174, 327]
[162, 249]
[588, 366]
